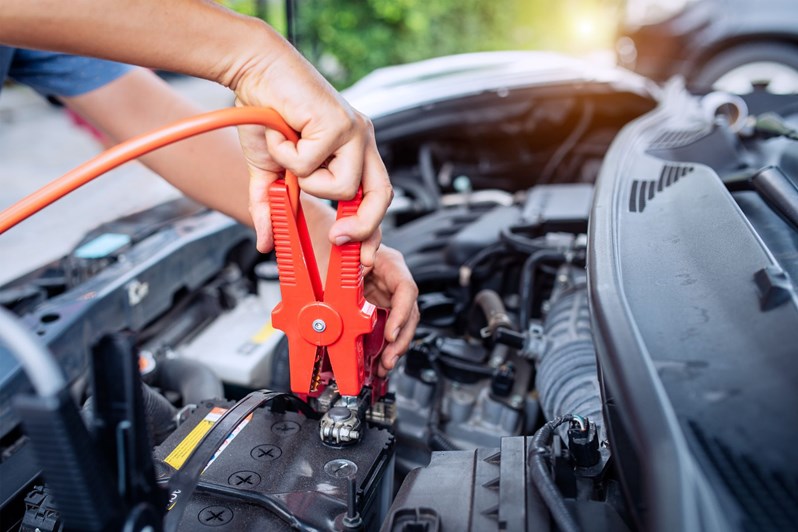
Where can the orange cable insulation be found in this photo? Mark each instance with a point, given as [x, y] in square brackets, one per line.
[141, 145]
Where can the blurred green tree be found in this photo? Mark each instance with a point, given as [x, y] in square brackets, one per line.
[347, 39]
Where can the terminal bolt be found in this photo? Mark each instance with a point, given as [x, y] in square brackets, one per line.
[340, 425]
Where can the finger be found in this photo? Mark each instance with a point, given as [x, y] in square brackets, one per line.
[259, 183]
[377, 196]
[315, 147]
[396, 349]
[403, 302]
[340, 177]
[277, 143]
[322, 183]
[368, 249]
[382, 371]
[402, 343]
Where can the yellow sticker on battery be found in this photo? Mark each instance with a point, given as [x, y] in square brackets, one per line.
[263, 334]
[183, 450]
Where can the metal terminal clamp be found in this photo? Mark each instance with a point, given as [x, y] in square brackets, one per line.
[344, 416]
[340, 426]
[342, 423]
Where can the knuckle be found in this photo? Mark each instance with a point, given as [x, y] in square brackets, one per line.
[348, 189]
[348, 122]
[303, 169]
[365, 123]
[414, 291]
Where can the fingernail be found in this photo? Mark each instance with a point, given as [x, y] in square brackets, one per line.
[395, 334]
[341, 240]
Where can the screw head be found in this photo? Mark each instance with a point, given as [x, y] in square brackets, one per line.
[319, 325]
[341, 468]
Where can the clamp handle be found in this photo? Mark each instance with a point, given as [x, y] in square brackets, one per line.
[315, 318]
[299, 282]
[344, 290]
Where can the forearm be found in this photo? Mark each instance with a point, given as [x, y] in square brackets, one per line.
[209, 168]
[196, 37]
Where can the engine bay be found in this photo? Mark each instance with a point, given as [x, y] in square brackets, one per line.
[561, 357]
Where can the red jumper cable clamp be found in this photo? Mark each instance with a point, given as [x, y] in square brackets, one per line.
[325, 324]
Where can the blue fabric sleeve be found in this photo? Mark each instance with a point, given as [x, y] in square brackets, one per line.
[56, 74]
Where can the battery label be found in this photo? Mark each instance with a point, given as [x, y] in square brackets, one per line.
[183, 450]
[263, 333]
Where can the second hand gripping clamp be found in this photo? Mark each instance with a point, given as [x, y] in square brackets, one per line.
[324, 324]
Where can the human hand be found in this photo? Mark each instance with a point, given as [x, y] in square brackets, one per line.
[336, 154]
[389, 284]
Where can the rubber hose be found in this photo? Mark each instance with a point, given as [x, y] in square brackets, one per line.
[528, 281]
[427, 168]
[194, 381]
[493, 308]
[160, 414]
[158, 411]
[567, 376]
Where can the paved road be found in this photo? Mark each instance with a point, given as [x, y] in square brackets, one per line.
[39, 143]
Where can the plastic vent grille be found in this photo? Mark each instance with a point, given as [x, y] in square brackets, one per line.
[643, 191]
[768, 500]
[670, 139]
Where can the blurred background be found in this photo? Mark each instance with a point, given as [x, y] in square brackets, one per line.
[722, 44]
[347, 39]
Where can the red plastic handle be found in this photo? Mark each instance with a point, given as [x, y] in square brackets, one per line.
[344, 290]
[335, 318]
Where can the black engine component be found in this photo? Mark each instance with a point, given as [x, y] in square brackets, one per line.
[489, 489]
[697, 362]
[101, 476]
[126, 295]
[41, 515]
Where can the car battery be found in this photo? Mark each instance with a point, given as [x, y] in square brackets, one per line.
[274, 473]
